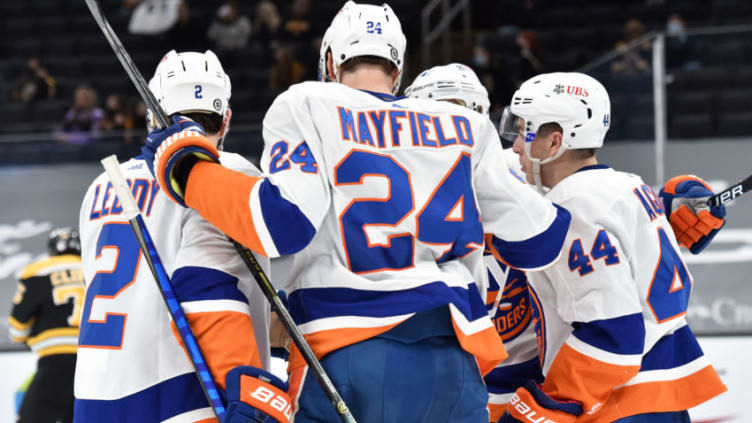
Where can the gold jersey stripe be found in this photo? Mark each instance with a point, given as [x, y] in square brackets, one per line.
[50, 333]
[58, 349]
[19, 325]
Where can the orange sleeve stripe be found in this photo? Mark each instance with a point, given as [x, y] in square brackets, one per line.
[656, 397]
[222, 196]
[485, 345]
[575, 376]
[226, 340]
[672, 183]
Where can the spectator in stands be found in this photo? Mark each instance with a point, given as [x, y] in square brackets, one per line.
[298, 27]
[184, 36]
[286, 69]
[531, 64]
[139, 115]
[117, 115]
[230, 30]
[637, 58]
[84, 120]
[36, 83]
[678, 46]
[152, 17]
[492, 75]
[266, 25]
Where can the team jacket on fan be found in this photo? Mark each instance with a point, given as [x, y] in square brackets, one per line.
[387, 196]
[508, 303]
[131, 367]
[610, 315]
[47, 304]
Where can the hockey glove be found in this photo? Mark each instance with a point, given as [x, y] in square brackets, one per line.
[170, 154]
[695, 223]
[530, 403]
[254, 395]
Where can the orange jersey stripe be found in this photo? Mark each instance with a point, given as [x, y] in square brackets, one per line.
[222, 196]
[226, 340]
[663, 396]
[326, 341]
[485, 345]
[575, 376]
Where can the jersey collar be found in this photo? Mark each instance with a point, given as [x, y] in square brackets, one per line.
[593, 167]
[384, 96]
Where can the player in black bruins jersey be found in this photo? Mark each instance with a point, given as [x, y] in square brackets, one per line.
[45, 315]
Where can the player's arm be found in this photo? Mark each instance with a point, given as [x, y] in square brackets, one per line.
[528, 230]
[596, 294]
[273, 215]
[26, 302]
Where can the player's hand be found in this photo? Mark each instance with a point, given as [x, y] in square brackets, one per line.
[254, 395]
[695, 223]
[530, 403]
[171, 152]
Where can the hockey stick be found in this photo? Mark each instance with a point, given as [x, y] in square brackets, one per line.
[248, 258]
[133, 214]
[730, 193]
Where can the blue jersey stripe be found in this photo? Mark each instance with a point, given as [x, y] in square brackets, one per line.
[310, 304]
[506, 379]
[160, 402]
[621, 335]
[192, 283]
[673, 350]
[289, 228]
[539, 250]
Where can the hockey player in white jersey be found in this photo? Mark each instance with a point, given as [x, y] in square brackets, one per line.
[379, 200]
[131, 367]
[507, 297]
[614, 341]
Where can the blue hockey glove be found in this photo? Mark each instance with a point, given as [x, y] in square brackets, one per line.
[254, 395]
[171, 152]
[530, 403]
[695, 223]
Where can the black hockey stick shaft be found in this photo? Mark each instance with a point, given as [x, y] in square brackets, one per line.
[730, 193]
[248, 258]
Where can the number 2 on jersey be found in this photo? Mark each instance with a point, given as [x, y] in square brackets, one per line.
[448, 217]
[116, 244]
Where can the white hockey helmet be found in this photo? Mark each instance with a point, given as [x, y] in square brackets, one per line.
[191, 82]
[365, 30]
[577, 102]
[454, 81]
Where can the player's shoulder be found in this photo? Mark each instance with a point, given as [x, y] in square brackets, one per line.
[595, 189]
[237, 162]
[51, 264]
[132, 168]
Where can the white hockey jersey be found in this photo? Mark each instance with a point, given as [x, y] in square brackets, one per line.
[387, 195]
[131, 366]
[610, 315]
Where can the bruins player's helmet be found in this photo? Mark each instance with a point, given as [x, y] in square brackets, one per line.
[64, 241]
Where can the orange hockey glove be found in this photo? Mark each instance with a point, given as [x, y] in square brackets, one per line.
[695, 223]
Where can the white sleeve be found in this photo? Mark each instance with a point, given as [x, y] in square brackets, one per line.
[528, 230]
